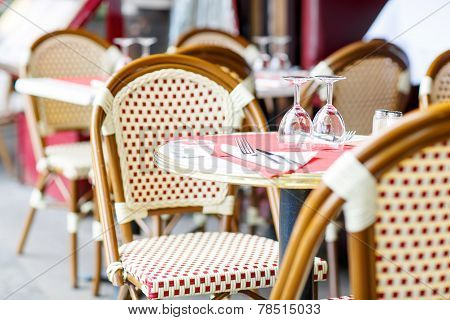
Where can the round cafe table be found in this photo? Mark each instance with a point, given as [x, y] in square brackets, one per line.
[294, 188]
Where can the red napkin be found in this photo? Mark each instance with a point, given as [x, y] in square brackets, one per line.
[269, 141]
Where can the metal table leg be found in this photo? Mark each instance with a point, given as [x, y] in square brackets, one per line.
[291, 201]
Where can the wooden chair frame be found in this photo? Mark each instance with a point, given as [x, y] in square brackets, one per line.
[433, 69]
[322, 206]
[220, 56]
[38, 143]
[187, 35]
[253, 117]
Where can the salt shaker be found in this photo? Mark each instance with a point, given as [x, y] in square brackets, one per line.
[380, 120]
[393, 117]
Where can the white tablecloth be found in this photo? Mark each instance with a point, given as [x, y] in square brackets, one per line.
[421, 28]
[56, 89]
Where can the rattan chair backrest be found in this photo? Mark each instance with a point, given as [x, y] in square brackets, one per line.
[435, 86]
[405, 252]
[228, 60]
[377, 78]
[152, 100]
[219, 38]
[65, 54]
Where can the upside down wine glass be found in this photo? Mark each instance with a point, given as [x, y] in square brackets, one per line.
[296, 126]
[263, 60]
[146, 43]
[328, 123]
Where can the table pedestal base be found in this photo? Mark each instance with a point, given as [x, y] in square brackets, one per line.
[291, 201]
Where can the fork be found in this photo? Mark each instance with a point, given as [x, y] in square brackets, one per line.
[348, 135]
[247, 149]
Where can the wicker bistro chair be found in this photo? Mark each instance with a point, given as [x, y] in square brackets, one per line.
[149, 101]
[377, 78]
[396, 212]
[435, 86]
[228, 60]
[66, 53]
[219, 38]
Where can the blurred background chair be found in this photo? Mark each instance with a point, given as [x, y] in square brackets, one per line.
[231, 62]
[435, 87]
[377, 78]
[399, 236]
[64, 54]
[219, 38]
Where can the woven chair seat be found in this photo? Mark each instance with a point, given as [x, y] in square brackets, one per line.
[204, 263]
[342, 298]
[72, 160]
[201, 263]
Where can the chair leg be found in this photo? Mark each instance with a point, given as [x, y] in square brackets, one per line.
[134, 294]
[333, 278]
[237, 210]
[156, 226]
[331, 237]
[37, 193]
[252, 294]
[315, 291]
[124, 293]
[220, 296]
[5, 156]
[72, 228]
[97, 268]
[97, 236]
[74, 260]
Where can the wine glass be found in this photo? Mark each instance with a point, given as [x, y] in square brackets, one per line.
[146, 43]
[328, 123]
[263, 60]
[296, 126]
[125, 44]
[280, 59]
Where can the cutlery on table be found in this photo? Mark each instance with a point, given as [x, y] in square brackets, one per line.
[248, 150]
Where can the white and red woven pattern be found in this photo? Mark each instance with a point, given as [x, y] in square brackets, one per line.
[153, 109]
[412, 231]
[73, 160]
[320, 269]
[342, 298]
[441, 88]
[216, 39]
[66, 55]
[201, 263]
[371, 84]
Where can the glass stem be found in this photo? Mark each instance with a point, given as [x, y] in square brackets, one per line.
[297, 94]
[330, 93]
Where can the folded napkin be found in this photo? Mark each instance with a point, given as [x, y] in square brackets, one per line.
[311, 161]
[268, 166]
[320, 144]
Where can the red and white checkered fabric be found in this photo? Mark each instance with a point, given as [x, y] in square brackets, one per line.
[412, 231]
[320, 269]
[342, 298]
[72, 159]
[201, 263]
